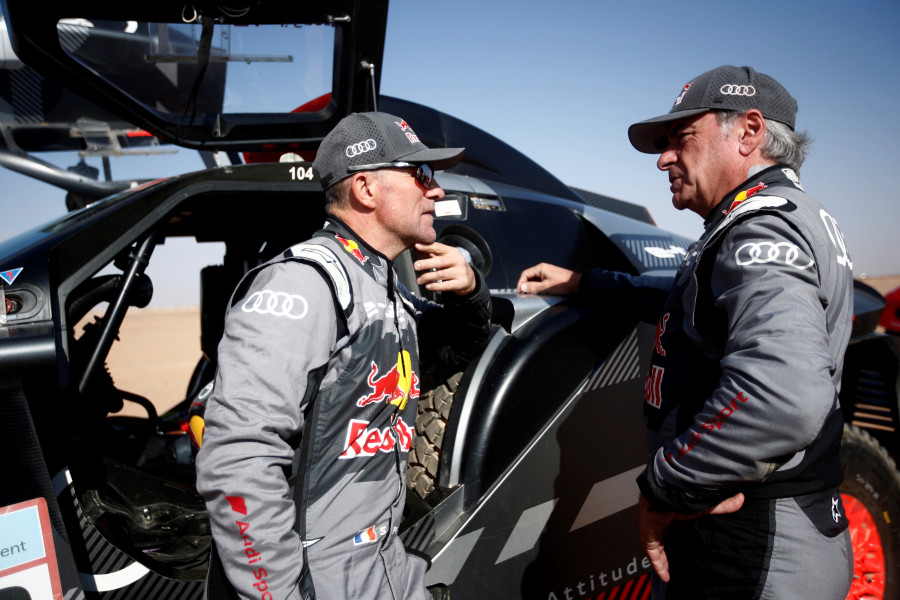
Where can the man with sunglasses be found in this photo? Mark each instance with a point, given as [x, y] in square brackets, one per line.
[303, 462]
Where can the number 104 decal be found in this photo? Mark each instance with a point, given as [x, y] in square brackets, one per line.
[299, 173]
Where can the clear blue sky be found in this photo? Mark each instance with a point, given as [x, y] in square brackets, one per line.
[561, 81]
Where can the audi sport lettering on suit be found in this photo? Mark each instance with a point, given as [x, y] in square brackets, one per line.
[740, 495]
[303, 462]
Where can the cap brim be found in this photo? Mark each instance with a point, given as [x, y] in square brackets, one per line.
[650, 136]
[438, 158]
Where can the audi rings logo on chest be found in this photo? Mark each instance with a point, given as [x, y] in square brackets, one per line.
[737, 90]
[360, 148]
[277, 304]
[761, 253]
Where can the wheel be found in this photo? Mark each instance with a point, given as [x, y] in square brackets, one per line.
[431, 421]
[871, 497]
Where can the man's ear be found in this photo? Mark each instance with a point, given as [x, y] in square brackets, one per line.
[363, 189]
[753, 132]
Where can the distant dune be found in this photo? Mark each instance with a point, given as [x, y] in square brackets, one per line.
[156, 355]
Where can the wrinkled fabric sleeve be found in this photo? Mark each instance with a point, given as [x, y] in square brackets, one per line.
[454, 332]
[254, 420]
[613, 292]
[776, 387]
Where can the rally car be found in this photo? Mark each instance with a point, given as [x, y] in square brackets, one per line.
[522, 473]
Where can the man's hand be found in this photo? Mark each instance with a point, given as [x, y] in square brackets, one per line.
[548, 279]
[445, 269]
[653, 527]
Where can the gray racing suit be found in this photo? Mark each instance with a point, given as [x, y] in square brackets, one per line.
[742, 396]
[303, 461]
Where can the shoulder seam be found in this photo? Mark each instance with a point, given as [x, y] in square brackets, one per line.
[330, 266]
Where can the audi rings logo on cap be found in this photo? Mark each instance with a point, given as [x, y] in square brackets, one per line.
[360, 148]
[737, 90]
[761, 253]
[277, 304]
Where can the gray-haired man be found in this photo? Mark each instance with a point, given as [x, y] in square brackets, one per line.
[740, 495]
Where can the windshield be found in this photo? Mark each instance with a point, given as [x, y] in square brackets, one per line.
[251, 68]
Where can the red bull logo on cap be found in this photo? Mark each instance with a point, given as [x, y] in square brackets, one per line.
[680, 97]
[404, 126]
[353, 248]
[395, 386]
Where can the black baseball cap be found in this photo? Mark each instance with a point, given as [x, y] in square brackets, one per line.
[373, 138]
[724, 88]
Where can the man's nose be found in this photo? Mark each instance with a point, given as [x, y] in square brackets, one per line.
[435, 192]
[665, 160]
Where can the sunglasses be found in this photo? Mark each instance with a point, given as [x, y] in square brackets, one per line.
[424, 175]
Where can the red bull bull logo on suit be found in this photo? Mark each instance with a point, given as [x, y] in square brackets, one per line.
[353, 248]
[395, 386]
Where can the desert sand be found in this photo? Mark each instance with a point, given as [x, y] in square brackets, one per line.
[159, 348]
[156, 355]
[883, 283]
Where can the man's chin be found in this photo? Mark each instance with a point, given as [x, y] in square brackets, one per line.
[426, 236]
[680, 202]
[429, 235]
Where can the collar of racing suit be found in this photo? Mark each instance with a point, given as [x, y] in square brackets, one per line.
[774, 176]
[374, 262]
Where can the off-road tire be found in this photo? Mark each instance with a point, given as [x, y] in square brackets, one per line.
[431, 422]
[871, 496]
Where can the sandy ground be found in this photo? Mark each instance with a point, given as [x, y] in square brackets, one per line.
[159, 348]
[883, 283]
[156, 355]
